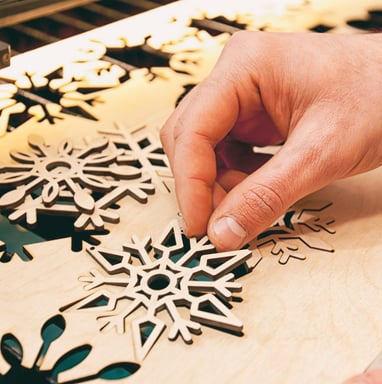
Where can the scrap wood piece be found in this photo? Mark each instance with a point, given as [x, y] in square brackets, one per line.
[297, 228]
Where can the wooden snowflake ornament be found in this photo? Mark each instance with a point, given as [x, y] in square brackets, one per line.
[144, 148]
[171, 273]
[64, 180]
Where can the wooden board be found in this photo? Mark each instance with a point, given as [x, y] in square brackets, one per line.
[125, 292]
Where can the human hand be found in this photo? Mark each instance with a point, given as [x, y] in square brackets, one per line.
[372, 377]
[319, 94]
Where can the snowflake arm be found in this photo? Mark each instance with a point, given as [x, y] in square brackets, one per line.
[223, 287]
[197, 247]
[118, 321]
[112, 261]
[171, 273]
[181, 326]
[95, 279]
[139, 248]
[209, 310]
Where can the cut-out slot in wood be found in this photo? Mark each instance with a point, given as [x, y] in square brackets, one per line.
[373, 22]
[218, 25]
[12, 351]
[141, 56]
[292, 232]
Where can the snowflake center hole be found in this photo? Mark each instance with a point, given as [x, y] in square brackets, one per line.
[158, 282]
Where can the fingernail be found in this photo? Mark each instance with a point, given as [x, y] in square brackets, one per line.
[229, 234]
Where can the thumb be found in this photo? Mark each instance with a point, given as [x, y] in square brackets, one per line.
[299, 168]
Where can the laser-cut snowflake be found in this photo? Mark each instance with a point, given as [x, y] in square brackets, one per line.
[73, 86]
[12, 352]
[18, 105]
[63, 180]
[145, 148]
[9, 106]
[291, 232]
[174, 272]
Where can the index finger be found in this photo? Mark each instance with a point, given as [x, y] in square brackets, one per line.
[202, 119]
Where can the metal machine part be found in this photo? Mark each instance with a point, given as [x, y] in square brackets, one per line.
[5, 54]
[17, 11]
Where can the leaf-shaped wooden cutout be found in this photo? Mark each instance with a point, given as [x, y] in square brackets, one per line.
[23, 157]
[65, 148]
[36, 141]
[50, 193]
[97, 221]
[84, 201]
[12, 198]
[7, 89]
[100, 159]
[95, 146]
[13, 178]
[95, 183]
[6, 103]
[125, 171]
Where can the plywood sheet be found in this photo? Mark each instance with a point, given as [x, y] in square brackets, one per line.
[127, 294]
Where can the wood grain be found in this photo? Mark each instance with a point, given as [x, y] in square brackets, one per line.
[310, 305]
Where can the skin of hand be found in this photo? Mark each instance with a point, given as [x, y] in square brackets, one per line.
[318, 94]
[373, 377]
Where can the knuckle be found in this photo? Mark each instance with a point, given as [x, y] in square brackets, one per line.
[172, 131]
[237, 46]
[179, 128]
[239, 38]
[262, 204]
[163, 135]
